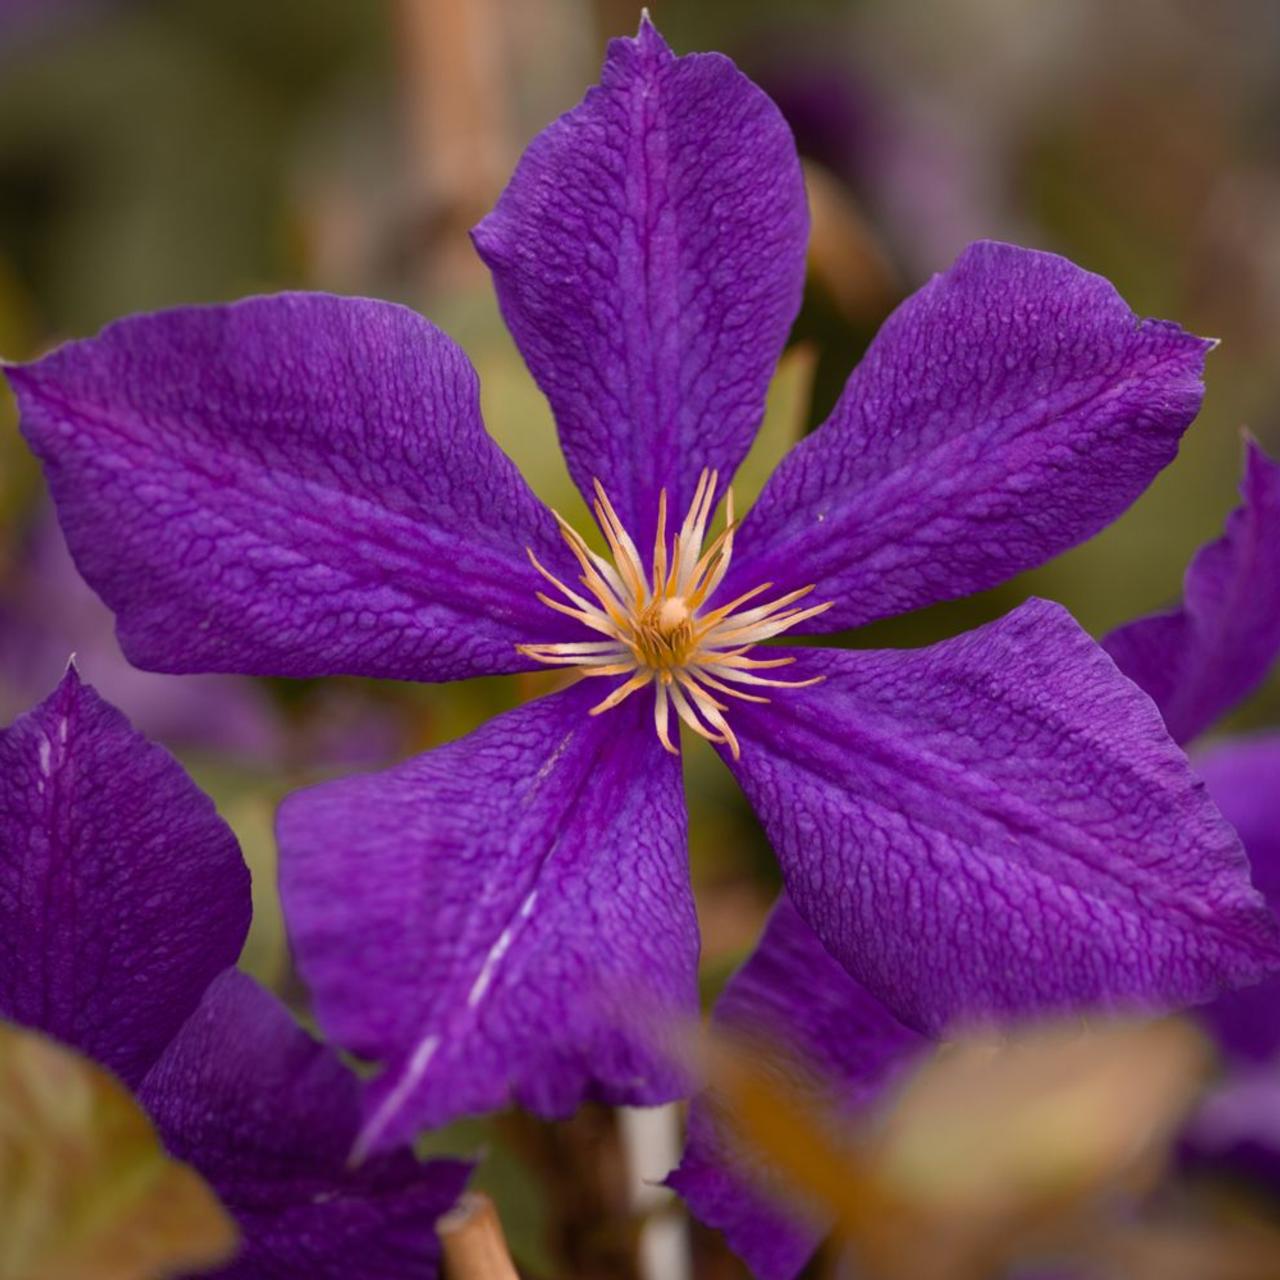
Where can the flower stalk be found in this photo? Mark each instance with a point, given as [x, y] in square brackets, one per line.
[474, 1245]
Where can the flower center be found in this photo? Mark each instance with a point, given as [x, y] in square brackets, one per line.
[659, 629]
[664, 634]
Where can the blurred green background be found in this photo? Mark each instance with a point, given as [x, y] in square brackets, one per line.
[172, 151]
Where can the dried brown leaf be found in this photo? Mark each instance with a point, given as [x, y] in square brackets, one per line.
[86, 1190]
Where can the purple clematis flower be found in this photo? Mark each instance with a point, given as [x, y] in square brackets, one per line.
[302, 485]
[123, 906]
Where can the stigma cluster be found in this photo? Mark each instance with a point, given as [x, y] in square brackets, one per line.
[659, 628]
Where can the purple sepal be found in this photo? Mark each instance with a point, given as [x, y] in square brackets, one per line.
[1009, 410]
[122, 893]
[268, 1116]
[649, 258]
[774, 1237]
[999, 825]
[296, 485]
[507, 918]
[1200, 659]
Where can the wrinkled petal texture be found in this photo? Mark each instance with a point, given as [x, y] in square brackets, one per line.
[649, 258]
[268, 1117]
[999, 825]
[1009, 410]
[1243, 777]
[795, 996]
[297, 485]
[122, 893]
[1199, 660]
[504, 919]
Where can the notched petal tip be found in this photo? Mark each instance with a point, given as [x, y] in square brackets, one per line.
[648, 37]
[1259, 465]
[29, 383]
[71, 693]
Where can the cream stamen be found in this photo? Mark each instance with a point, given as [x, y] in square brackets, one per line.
[655, 631]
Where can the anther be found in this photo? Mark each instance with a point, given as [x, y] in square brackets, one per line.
[654, 628]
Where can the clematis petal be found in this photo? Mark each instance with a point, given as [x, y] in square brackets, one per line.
[122, 893]
[1243, 777]
[999, 825]
[1200, 659]
[1010, 409]
[502, 919]
[296, 485]
[268, 1117]
[649, 258]
[796, 997]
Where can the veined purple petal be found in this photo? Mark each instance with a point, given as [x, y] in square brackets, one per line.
[797, 997]
[649, 258]
[1243, 777]
[1200, 659]
[502, 919]
[268, 1116]
[1010, 409]
[1000, 825]
[297, 485]
[122, 893]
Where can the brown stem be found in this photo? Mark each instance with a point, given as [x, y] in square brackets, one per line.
[455, 89]
[473, 1243]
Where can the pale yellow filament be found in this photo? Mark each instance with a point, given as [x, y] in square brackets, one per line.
[656, 632]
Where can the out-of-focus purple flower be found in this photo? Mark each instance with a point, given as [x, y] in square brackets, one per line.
[302, 485]
[1238, 1126]
[24, 20]
[1243, 777]
[1197, 662]
[793, 996]
[928, 185]
[48, 612]
[123, 906]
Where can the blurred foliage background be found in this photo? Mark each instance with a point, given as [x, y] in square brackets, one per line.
[171, 151]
